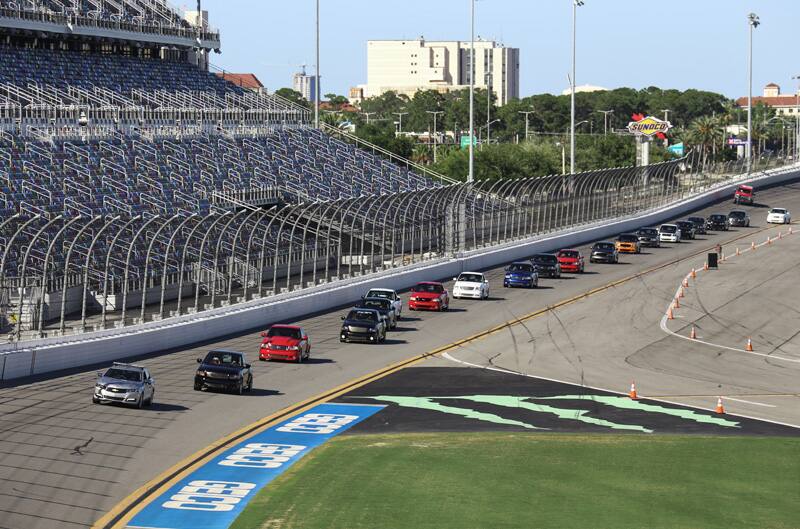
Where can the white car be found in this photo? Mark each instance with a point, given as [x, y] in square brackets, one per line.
[779, 216]
[471, 285]
[387, 293]
[669, 233]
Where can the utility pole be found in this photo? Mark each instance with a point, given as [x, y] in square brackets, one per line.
[435, 137]
[471, 175]
[605, 120]
[368, 114]
[526, 113]
[575, 5]
[400, 115]
[753, 22]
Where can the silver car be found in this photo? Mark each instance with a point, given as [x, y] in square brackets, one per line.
[125, 384]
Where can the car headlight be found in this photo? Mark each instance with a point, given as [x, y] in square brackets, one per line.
[200, 373]
[293, 348]
[508, 276]
[100, 386]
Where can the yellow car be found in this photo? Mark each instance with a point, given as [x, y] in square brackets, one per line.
[628, 243]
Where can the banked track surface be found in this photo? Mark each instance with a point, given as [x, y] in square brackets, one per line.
[66, 462]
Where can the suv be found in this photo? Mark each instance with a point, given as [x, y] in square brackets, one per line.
[126, 384]
[699, 225]
[669, 233]
[717, 221]
[739, 217]
[744, 195]
[687, 227]
[226, 370]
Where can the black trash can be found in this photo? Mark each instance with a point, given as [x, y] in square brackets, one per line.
[713, 257]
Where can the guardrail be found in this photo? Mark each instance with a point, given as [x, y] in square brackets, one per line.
[51, 354]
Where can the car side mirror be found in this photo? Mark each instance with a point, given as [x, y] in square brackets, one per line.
[362, 297]
[263, 335]
[99, 374]
[455, 279]
[247, 366]
[342, 318]
[304, 337]
[199, 360]
[151, 381]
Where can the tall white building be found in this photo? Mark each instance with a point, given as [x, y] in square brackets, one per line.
[305, 84]
[406, 66]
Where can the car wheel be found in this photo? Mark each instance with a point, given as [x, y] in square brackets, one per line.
[250, 384]
[240, 388]
[197, 387]
[299, 358]
[140, 404]
[95, 400]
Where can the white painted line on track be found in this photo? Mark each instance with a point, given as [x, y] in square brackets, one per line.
[719, 346]
[447, 356]
[749, 402]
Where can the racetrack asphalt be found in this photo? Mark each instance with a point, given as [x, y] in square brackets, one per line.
[64, 462]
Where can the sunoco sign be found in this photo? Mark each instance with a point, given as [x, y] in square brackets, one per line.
[648, 126]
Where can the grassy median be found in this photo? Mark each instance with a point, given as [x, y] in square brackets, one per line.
[500, 480]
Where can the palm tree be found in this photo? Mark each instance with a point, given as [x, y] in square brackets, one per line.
[703, 133]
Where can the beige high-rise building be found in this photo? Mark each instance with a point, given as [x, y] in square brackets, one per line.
[406, 66]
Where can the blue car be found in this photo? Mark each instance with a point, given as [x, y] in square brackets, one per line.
[521, 274]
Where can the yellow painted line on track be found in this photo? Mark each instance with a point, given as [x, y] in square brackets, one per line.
[123, 512]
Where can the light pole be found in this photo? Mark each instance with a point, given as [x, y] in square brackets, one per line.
[527, 113]
[605, 119]
[368, 114]
[753, 22]
[400, 115]
[435, 137]
[797, 120]
[666, 112]
[316, 75]
[488, 101]
[489, 130]
[575, 5]
[471, 175]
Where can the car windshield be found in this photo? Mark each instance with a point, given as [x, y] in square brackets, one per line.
[779, 211]
[378, 304]
[603, 246]
[745, 190]
[222, 358]
[668, 228]
[130, 375]
[284, 331]
[520, 267]
[568, 253]
[717, 218]
[648, 232]
[696, 220]
[737, 214]
[429, 287]
[628, 238]
[471, 278]
[379, 294]
[362, 315]
[545, 259]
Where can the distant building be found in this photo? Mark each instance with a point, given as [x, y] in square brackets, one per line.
[356, 95]
[244, 80]
[305, 84]
[784, 105]
[407, 66]
[584, 88]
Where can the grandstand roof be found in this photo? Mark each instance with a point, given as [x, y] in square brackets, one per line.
[244, 80]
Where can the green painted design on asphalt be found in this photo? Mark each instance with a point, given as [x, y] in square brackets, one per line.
[427, 403]
[630, 404]
[577, 415]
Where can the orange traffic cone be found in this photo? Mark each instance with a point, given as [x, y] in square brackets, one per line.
[677, 303]
[693, 334]
[737, 251]
[790, 230]
[670, 316]
[753, 245]
[680, 293]
[769, 240]
[685, 283]
[632, 394]
[780, 235]
[705, 266]
[749, 346]
[694, 274]
[719, 409]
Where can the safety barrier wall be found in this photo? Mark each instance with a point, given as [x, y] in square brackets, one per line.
[57, 353]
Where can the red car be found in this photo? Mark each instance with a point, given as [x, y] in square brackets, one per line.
[571, 261]
[744, 195]
[429, 295]
[285, 342]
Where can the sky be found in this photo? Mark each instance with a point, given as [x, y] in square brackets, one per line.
[634, 43]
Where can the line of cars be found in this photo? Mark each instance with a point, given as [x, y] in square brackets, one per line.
[380, 309]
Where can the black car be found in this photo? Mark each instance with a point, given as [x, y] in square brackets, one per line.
[546, 265]
[699, 225]
[687, 227]
[363, 325]
[738, 217]
[226, 370]
[717, 221]
[604, 252]
[649, 237]
[382, 305]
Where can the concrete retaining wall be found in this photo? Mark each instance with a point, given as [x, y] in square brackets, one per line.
[56, 353]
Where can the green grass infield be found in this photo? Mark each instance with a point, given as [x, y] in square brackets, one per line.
[506, 480]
